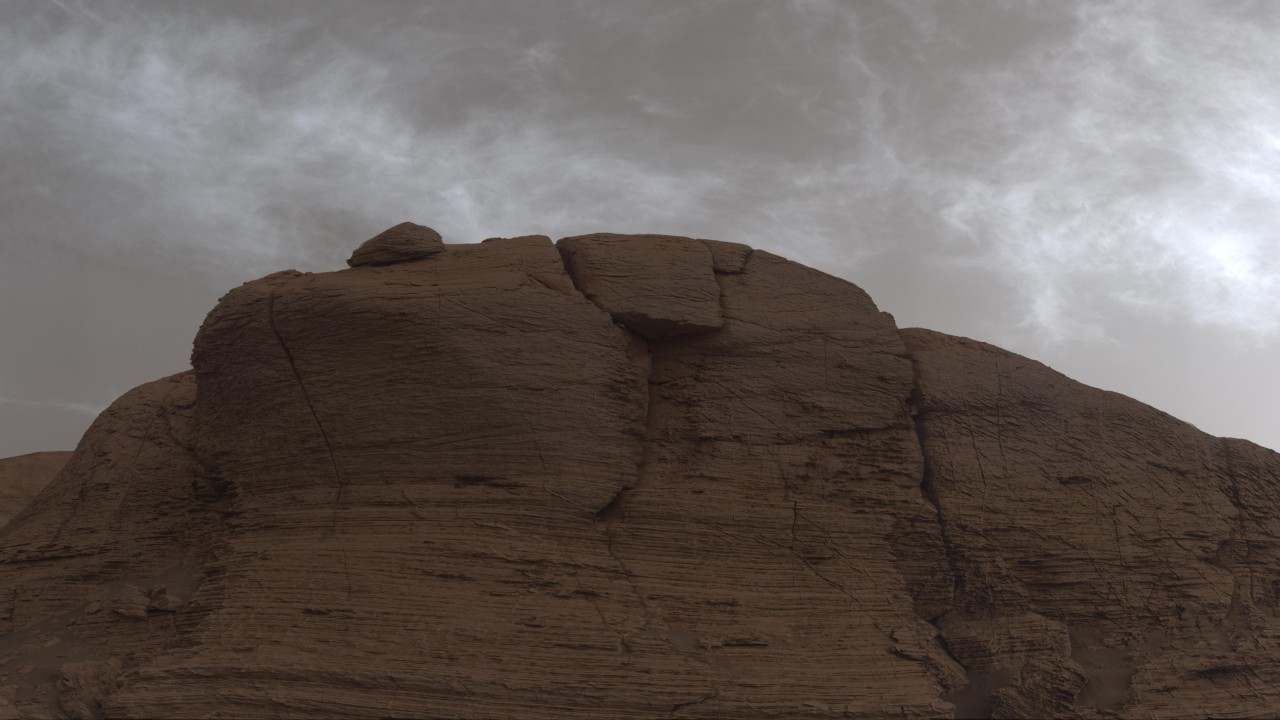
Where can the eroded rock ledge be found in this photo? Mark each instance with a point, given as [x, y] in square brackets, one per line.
[630, 476]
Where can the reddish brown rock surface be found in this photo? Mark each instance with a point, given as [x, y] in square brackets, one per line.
[655, 285]
[24, 476]
[631, 476]
[1101, 549]
[400, 243]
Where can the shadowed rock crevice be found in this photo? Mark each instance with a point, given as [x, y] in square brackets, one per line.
[729, 258]
[324, 435]
[579, 277]
[614, 507]
[927, 489]
[970, 699]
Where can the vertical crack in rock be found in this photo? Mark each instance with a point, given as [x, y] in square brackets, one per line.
[333, 460]
[563, 252]
[719, 277]
[728, 258]
[927, 488]
[615, 508]
[611, 510]
[724, 311]
[1241, 592]
[652, 337]
[930, 493]
[650, 296]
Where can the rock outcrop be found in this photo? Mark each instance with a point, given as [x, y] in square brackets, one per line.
[24, 476]
[631, 476]
[1106, 556]
[654, 285]
[401, 243]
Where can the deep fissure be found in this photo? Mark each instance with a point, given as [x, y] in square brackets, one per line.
[930, 493]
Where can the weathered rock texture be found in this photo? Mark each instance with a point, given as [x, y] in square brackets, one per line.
[631, 477]
[1106, 556]
[23, 477]
[656, 285]
[401, 243]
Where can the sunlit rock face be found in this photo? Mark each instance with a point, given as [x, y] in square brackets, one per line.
[630, 476]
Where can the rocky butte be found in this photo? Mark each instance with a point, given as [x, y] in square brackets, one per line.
[629, 476]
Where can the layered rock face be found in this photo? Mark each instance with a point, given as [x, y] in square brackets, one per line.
[23, 477]
[1107, 557]
[630, 476]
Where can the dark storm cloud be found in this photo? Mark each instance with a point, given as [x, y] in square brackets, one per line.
[1058, 177]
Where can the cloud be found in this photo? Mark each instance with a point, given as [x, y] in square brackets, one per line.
[82, 408]
[196, 141]
[1131, 158]
[1093, 155]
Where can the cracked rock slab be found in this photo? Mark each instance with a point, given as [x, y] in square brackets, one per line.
[656, 285]
[728, 258]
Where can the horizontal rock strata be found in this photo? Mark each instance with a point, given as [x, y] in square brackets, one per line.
[24, 476]
[631, 476]
[401, 243]
[1108, 558]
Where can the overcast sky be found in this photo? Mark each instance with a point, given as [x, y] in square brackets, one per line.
[1093, 184]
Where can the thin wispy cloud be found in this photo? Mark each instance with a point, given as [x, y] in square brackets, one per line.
[82, 408]
[1131, 159]
[191, 157]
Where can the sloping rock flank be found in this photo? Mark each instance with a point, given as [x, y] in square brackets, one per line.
[24, 476]
[1108, 558]
[631, 476]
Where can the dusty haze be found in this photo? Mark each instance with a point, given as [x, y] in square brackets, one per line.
[1091, 184]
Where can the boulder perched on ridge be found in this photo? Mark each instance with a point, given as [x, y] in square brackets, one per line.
[401, 243]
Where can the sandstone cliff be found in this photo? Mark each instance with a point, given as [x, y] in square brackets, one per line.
[630, 476]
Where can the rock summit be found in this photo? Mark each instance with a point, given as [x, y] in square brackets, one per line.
[401, 243]
[631, 476]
